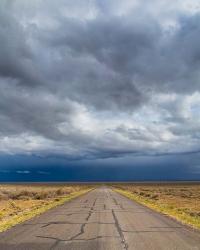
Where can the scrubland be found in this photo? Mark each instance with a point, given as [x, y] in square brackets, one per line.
[21, 202]
[181, 201]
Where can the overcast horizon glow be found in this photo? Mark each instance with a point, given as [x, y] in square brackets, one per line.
[99, 80]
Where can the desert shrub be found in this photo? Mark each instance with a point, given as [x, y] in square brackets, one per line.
[22, 195]
[42, 195]
[154, 196]
[141, 193]
[194, 214]
[3, 197]
[35, 192]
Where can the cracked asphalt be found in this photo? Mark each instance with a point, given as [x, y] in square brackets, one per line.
[101, 219]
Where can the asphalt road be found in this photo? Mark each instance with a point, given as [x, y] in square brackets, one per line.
[101, 219]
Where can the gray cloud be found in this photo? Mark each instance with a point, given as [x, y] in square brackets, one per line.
[95, 79]
[135, 48]
[16, 57]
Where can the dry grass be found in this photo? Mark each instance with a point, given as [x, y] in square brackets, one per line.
[181, 201]
[21, 202]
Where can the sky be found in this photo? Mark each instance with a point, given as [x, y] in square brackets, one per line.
[99, 90]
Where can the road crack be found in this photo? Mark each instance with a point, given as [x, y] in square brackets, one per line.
[118, 204]
[123, 241]
[82, 230]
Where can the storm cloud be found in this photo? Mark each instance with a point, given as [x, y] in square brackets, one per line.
[99, 79]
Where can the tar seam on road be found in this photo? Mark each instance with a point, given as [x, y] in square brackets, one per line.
[84, 224]
[125, 245]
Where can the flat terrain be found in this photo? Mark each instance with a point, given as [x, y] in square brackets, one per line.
[21, 202]
[101, 219]
[182, 200]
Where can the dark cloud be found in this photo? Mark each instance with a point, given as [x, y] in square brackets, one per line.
[135, 49]
[16, 57]
[98, 80]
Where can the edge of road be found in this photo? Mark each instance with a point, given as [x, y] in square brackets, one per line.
[157, 212]
[29, 214]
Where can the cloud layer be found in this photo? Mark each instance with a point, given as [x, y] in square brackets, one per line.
[99, 79]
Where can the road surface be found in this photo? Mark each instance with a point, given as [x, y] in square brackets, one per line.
[100, 219]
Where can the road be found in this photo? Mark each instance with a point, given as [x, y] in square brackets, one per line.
[101, 219]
